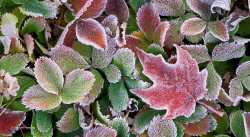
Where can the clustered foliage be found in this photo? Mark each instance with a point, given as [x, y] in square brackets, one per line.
[125, 68]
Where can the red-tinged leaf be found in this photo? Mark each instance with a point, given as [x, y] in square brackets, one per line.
[10, 121]
[246, 117]
[202, 127]
[224, 98]
[219, 30]
[169, 7]
[101, 132]
[77, 5]
[36, 98]
[148, 19]
[133, 43]
[176, 87]
[68, 35]
[160, 32]
[201, 7]
[48, 75]
[193, 26]
[91, 32]
[95, 9]
[118, 8]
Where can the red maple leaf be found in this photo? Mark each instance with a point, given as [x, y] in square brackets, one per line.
[176, 87]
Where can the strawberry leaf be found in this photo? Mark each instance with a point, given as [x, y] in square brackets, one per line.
[68, 59]
[193, 26]
[176, 87]
[101, 132]
[91, 32]
[237, 124]
[169, 7]
[162, 128]
[77, 84]
[10, 121]
[36, 98]
[69, 121]
[118, 8]
[121, 127]
[218, 30]
[113, 74]
[214, 83]
[48, 75]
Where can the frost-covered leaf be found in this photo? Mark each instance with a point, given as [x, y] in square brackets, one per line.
[77, 84]
[67, 59]
[173, 35]
[102, 58]
[169, 7]
[36, 133]
[8, 25]
[221, 4]
[142, 120]
[148, 19]
[199, 52]
[201, 7]
[9, 85]
[43, 121]
[88, 8]
[33, 25]
[208, 124]
[112, 73]
[48, 75]
[14, 64]
[91, 32]
[36, 98]
[218, 30]
[68, 36]
[243, 72]
[246, 117]
[200, 113]
[37, 8]
[121, 127]
[160, 33]
[214, 83]
[6, 42]
[10, 121]
[95, 91]
[167, 92]
[118, 96]
[124, 59]
[110, 23]
[118, 8]
[69, 121]
[230, 50]
[193, 26]
[235, 90]
[162, 128]
[101, 131]
[237, 124]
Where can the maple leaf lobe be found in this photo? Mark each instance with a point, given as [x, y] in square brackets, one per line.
[176, 87]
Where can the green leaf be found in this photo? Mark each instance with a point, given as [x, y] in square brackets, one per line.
[214, 83]
[68, 59]
[77, 84]
[180, 129]
[48, 75]
[36, 133]
[13, 64]
[43, 121]
[69, 121]
[39, 8]
[24, 82]
[121, 127]
[124, 59]
[36, 98]
[18, 106]
[200, 113]
[118, 96]
[142, 119]
[133, 83]
[237, 124]
[162, 128]
[33, 25]
[95, 91]
[113, 74]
